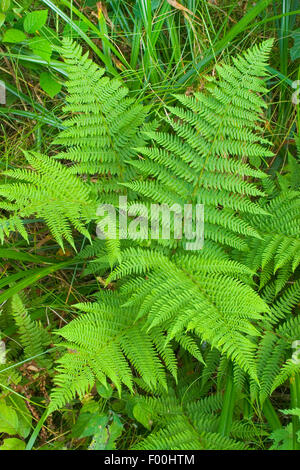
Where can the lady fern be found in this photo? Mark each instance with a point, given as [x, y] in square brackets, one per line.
[225, 307]
[187, 297]
[48, 190]
[101, 344]
[202, 156]
[103, 126]
[33, 338]
[182, 420]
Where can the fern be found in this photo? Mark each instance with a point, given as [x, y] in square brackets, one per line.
[49, 192]
[202, 156]
[103, 127]
[101, 131]
[277, 253]
[183, 294]
[182, 422]
[33, 338]
[102, 343]
[178, 298]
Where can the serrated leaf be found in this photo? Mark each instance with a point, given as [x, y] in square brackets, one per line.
[293, 412]
[283, 438]
[35, 20]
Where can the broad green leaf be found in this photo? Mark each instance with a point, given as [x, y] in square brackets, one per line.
[24, 417]
[13, 443]
[283, 438]
[105, 392]
[115, 431]
[49, 84]
[13, 35]
[2, 19]
[91, 406]
[96, 423]
[80, 425]
[8, 419]
[105, 437]
[142, 415]
[35, 20]
[4, 5]
[89, 424]
[41, 47]
[100, 440]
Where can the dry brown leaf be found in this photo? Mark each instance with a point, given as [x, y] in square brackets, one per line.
[178, 6]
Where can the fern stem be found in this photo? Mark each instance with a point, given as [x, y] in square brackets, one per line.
[271, 415]
[295, 403]
[228, 404]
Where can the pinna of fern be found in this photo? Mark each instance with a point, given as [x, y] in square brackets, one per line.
[194, 293]
[277, 254]
[102, 128]
[273, 362]
[275, 259]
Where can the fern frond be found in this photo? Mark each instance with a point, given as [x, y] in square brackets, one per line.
[33, 337]
[49, 192]
[103, 343]
[104, 124]
[202, 160]
[197, 294]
